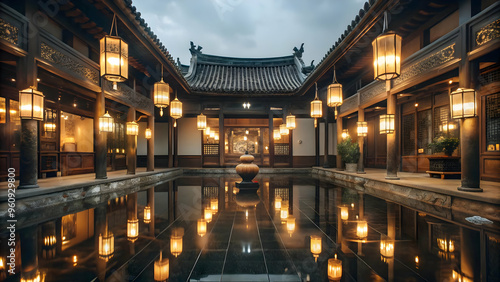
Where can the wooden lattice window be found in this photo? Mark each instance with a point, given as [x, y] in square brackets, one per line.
[408, 138]
[281, 149]
[493, 122]
[424, 131]
[211, 149]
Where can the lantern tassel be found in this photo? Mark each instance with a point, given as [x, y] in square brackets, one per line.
[161, 111]
[115, 86]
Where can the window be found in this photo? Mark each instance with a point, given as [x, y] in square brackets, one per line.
[424, 131]
[443, 124]
[408, 128]
[493, 122]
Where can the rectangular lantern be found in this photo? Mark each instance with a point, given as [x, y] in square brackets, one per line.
[49, 127]
[132, 229]
[201, 121]
[161, 269]
[276, 134]
[132, 128]
[161, 94]
[148, 134]
[284, 211]
[316, 246]
[345, 133]
[290, 122]
[3, 110]
[387, 56]
[290, 225]
[362, 128]
[31, 104]
[176, 108]
[386, 246]
[214, 205]
[176, 241]
[316, 108]
[387, 124]
[334, 95]
[284, 130]
[106, 246]
[277, 202]
[362, 229]
[344, 212]
[147, 214]
[334, 269]
[463, 103]
[202, 227]
[208, 214]
[114, 59]
[106, 123]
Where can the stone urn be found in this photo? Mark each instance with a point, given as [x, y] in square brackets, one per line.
[351, 167]
[247, 171]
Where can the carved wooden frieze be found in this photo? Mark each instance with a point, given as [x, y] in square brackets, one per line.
[9, 32]
[67, 63]
[488, 33]
[349, 104]
[371, 91]
[426, 64]
[129, 97]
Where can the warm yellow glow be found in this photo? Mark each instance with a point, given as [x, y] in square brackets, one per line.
[201, 121]
[49, 240]
[284, 211]
[132, 229]
[362, 128]
[345, 133]
[284, 130]
[49, 127]
[148, 134]
[202, 227]
[106, 246]
[208, 214]
[161, 269]
[334, 95]
[132, 128]
[161, 94]
[2, 264]
[290, 122]
[387, 56]
[176, 244]
[212, 134]
[344, 213]
[106, 123]
[387, 247]
[362, 229]
[207, 131]
[277, 202]
[147, 214]
[463, 103]
[214, 205]
[387, 124]
[216, 136]
[176, 108]
[245, 138]
[31, 104]
[316, 246]
[36, 277]
[334, 269]
[276, 134]
[446, 245]
[316, 108]
[114, 58]
[290, 225]
[75, 260]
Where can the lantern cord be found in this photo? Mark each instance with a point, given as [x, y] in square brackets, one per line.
[161, 72]
[385, 22]
[316, 96]
[334, 75]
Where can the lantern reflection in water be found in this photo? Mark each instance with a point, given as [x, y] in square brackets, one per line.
[277, 202]
[106, 246]
[316, 246]
[202, 227]
[362, 229]
[161, 269]
[214, 205]
[344, 212]
[284, 211]
[32, 277]
[147, 214]
[334, 269]
[208, 214]
[132, 229]
[176, 241]
[290, 225]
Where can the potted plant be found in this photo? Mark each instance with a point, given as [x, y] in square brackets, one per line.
[349, 153]
[444, 144]
[444, 164]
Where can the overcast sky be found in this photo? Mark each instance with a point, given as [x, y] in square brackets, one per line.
[255, 29]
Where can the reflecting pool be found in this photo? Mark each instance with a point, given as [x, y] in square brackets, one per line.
[295, 228]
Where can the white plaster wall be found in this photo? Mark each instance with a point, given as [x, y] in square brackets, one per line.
[161, 138]
[305, 132]
[189, 137]
[142, 144]
[321, 139]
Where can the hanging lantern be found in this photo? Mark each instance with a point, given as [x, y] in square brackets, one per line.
[362, 229]
[463, 103]
[345, 133]
[276, 134]
[176, 241]
[49, 127]
[114, 57]
[316, 246]
[161, 94]
[147, 214]
[208, 214]
[202, 227]
[290, 122]
[284, 130]
[386, 246]
[148, 134]
[176, 108]
[132, 229]
[344, 212]
[216, 136]
[387, 124]
[334, 93]
[277, 202]
[201, 121]
[446, 245]
[316, 106]
[290, 225]
[334, 269]
[362, 128]
[106, 123]
[161, 269]
[31, 104]
[106, 246]
[214, 205]
[387, 54]
[132, 128]
[284, 211]
[207, 131]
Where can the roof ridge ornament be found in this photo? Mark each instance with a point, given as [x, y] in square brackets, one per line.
[298, 52]
[194, 50]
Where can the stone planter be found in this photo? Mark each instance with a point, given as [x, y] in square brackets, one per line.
[444, 166]
[351, 167]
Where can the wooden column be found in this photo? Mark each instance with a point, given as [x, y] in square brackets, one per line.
[176, 146]
[131, 145]
[151, 145]
[151, 204]
[339, 140]
[392, 145]
[361, 143]
[100, 138]
[29, 252]
[326, 164]
[271, 139]
[170, 142]
[222, 139]
[316, 140]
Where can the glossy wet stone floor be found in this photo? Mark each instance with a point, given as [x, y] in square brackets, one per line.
[291, 229]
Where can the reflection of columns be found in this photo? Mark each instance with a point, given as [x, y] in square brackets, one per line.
[339, 139]
[361, 142]
[170, 201]
[151, 204]
[29, 248]
[391, 233]
[132, 231]
[100, 138]
[131, 145]
[316, 203]
[392, 146]
[151, 145]
[470, 253]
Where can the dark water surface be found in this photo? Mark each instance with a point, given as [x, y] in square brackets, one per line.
[247, 240]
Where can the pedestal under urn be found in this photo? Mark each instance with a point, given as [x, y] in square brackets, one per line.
[247, 171]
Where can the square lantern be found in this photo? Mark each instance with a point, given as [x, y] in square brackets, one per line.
[316, 246]
[387, 56]
[176, 108]
[208, 214]
[345, 133]
[132, 128]
[284, 130]
[148, 133]
[290, 122]
[344, 212]
[31, 104]
[276, 134]
[161, 269]
[161, 94]
[316, 108]
[114, 59]
[277, 202]
[387, 124]
[362, 229]
[201, 121]
[386, 246]
[214, 205]
[176, 241]
[132, 229]
[334, 269]
[284, 212]
[202, 227]
[362, 128]
[290, 225]
[463, 103]
[106, 246]
[147, 214]
[106, 123]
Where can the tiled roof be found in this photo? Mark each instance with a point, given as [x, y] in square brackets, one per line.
[225, 75]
